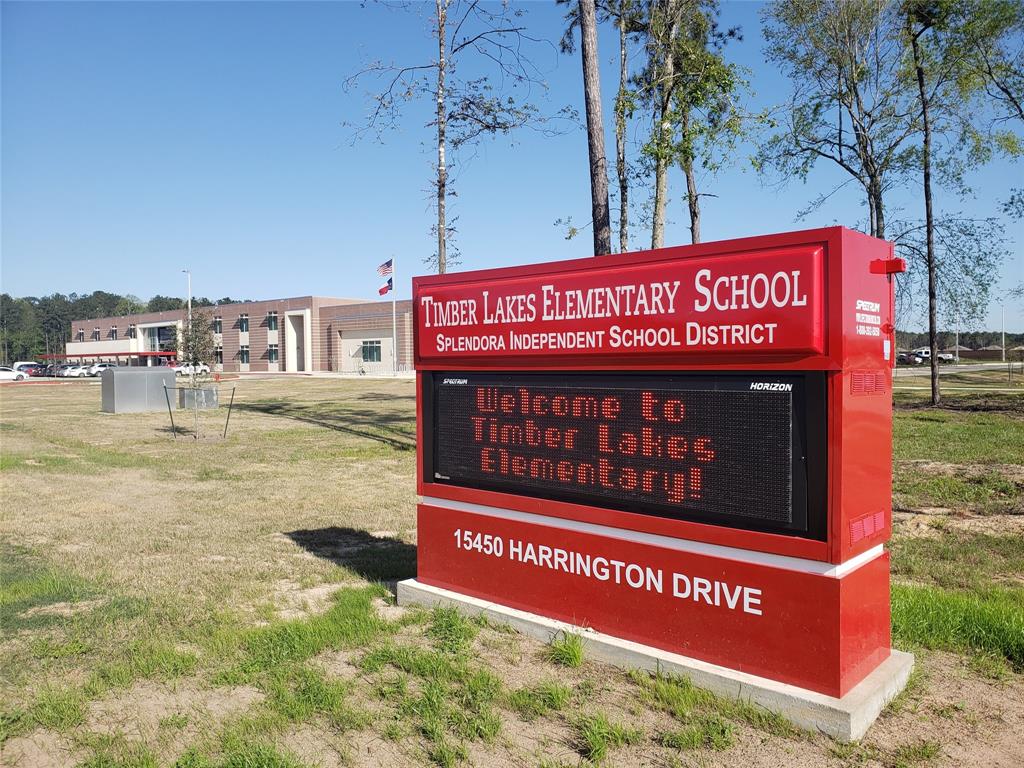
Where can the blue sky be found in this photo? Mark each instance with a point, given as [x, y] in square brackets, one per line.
[142, 138]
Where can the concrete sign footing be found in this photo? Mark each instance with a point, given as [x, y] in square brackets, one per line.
[847, 718]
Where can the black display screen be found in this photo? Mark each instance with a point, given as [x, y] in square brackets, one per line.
[743, 450]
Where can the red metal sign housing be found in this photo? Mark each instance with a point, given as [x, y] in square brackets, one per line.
[730, 401]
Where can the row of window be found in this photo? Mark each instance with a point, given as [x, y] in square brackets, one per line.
[218, 327]
[243, 323]
[111, 334]
[273, 354]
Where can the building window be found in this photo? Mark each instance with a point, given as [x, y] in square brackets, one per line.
[243, 354]
[218, 355]
[95, 334]
[272, 353]
[271, 321]
[113, 332]
[243, 323]
[371, 351]
[218, 325]
[80, 336]
[131, 331]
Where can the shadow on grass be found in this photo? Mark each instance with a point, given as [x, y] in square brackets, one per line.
[393, 430]
[383, 559]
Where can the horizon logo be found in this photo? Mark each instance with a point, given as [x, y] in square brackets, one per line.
[770, 386]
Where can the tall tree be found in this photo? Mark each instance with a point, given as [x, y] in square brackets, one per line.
[922, 15]
[628, 18]
[952, 79]
[705, 109]
[491, 42]
[851, 104]
[595, 128]
[664, 21]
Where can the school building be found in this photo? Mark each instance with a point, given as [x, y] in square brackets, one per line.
[304, 334]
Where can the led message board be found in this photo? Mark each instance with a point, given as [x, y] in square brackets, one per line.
[738, 450]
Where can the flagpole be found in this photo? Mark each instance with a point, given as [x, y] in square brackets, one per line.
[394, 319]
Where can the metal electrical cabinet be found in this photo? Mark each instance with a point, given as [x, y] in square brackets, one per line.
[136, 390]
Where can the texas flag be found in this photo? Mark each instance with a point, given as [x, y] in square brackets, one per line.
[386, 288]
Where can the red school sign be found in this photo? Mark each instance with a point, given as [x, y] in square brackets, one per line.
[763, 301]
[689, 448]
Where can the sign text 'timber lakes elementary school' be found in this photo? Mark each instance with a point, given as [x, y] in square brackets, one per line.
[593, 318]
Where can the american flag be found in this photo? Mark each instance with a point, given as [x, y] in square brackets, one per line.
[386, 268]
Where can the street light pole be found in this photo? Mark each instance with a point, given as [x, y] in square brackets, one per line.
[188, 327]
[1002, 312]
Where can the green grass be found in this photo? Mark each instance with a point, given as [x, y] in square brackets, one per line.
[27, 583]
[958, 436]
[450, 631]
[689, 704]
[300, 693]
[141, 659]
[566, 650]
[115, 751]
[915, 753]
[989, 493]
[351, 621]
[958, 559]
[596, 735]
[538, 700]
[58, 708]
[989, 621]
[454, 698]
[703, 732]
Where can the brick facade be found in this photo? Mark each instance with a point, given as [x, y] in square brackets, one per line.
[327, 322]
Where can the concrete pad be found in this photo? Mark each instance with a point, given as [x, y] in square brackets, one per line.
[847, 718]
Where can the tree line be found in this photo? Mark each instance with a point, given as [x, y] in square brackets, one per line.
[895, 94]
[32, 326]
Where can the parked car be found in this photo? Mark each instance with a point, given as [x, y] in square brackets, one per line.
[187, 369]
[910, 358]
[78, 371]
[97, 368]
[62, 370]
[9, 374]
[19, 364]
[925, 354]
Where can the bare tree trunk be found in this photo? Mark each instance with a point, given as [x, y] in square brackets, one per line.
[442, 168]
[692, 198]
[928, 222]
[664, 132]
[693, 201]
[595, 129]
[620, 138]
[875, 208]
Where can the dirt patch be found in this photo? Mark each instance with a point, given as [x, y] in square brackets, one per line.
[293, 601]
[389, 612]
[137, 712]
[1012, 472]
[932, 521]
[338, 663]
[317, 746]
[39, 749]
[63, 609]
[367, 749]
[976, 722]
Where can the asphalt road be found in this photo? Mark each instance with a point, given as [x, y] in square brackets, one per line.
[925, 370]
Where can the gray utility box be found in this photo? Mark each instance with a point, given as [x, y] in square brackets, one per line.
[200, 397]
[136, 390]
